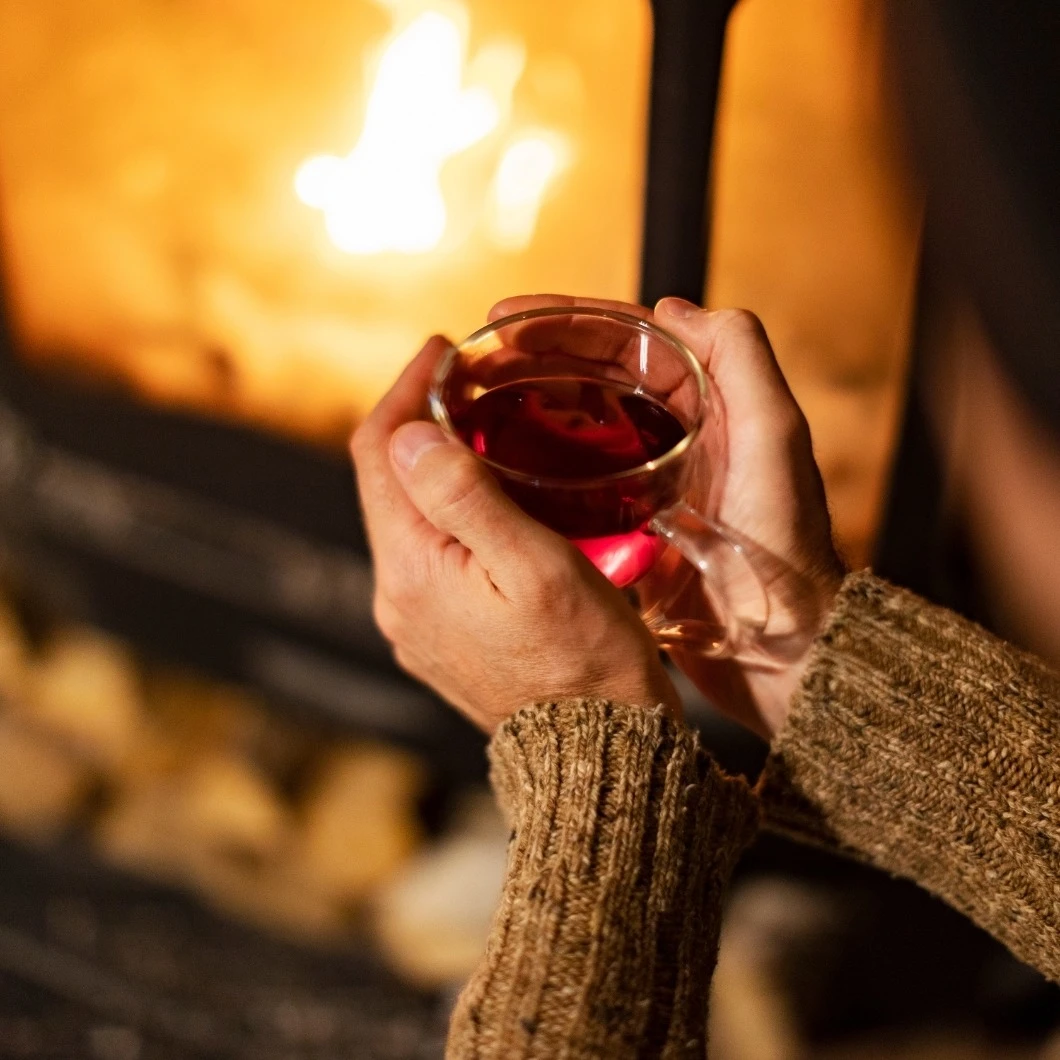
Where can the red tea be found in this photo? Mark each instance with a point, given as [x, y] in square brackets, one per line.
[580, 436]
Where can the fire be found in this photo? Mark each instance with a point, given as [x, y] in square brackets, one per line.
[427, 104]
[523, 175]
[273, 203]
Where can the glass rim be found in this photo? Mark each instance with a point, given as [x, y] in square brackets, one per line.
[648, 327]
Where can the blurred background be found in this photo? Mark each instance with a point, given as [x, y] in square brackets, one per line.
[230, 827]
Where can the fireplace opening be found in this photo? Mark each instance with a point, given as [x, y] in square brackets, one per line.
[260, 210]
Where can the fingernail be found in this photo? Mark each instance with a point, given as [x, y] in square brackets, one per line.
[411, 441]
[676, 307]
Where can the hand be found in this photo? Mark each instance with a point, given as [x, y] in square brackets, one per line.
[769, 490]
[479, 601]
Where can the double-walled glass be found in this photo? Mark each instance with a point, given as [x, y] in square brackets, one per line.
[588, 359]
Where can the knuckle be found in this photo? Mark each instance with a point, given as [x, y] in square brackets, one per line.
[549, 579]
[460, 492]
[402, 592]
[387, 617]
[554, 571]
[742, 322]
[452, 559]
[362, 442]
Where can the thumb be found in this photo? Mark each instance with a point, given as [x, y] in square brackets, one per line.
[455, 492]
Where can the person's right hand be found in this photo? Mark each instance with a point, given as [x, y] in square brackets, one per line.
[486, 606]
[766, 486]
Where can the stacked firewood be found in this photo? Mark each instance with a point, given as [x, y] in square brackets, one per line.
[200, 784]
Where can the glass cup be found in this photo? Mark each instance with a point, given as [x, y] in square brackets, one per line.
[601, 426]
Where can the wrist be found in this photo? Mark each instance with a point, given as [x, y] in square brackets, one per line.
[651, 691]
[776, 690]
[776, 694]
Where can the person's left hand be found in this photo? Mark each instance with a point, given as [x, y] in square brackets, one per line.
[488, 607]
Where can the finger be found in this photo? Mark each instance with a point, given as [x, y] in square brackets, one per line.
[732, 346]
[594, 341]
[584, 337]
[388, 513]
[521, 303]
[564, 345]
[455, 493]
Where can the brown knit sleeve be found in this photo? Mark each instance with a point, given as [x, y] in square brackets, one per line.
[624, 833]
[931, 749]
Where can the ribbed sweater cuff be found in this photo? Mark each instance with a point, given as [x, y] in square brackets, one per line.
[925, 745]
[624, 834]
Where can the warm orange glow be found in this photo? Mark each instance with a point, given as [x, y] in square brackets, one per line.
[386, 194]
[816, 226]
[262, 209]
[524, 174]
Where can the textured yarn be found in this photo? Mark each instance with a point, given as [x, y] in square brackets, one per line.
[929, 748]
[917, 742]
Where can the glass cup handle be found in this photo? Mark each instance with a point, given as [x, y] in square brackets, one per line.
[731, 584]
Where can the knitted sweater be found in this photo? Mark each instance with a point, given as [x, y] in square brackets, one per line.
[917, 742]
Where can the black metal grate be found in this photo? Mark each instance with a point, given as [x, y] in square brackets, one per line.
[94, 964]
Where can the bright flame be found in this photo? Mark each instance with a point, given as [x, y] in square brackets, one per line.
[386, 194]
[523, 175]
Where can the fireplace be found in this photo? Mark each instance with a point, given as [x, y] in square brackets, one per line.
[258, 211]
[226, 226]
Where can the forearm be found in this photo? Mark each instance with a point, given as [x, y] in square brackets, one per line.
[624, 835]
[930, 748]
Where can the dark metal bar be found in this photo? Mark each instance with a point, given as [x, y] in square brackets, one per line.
[686, 74]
